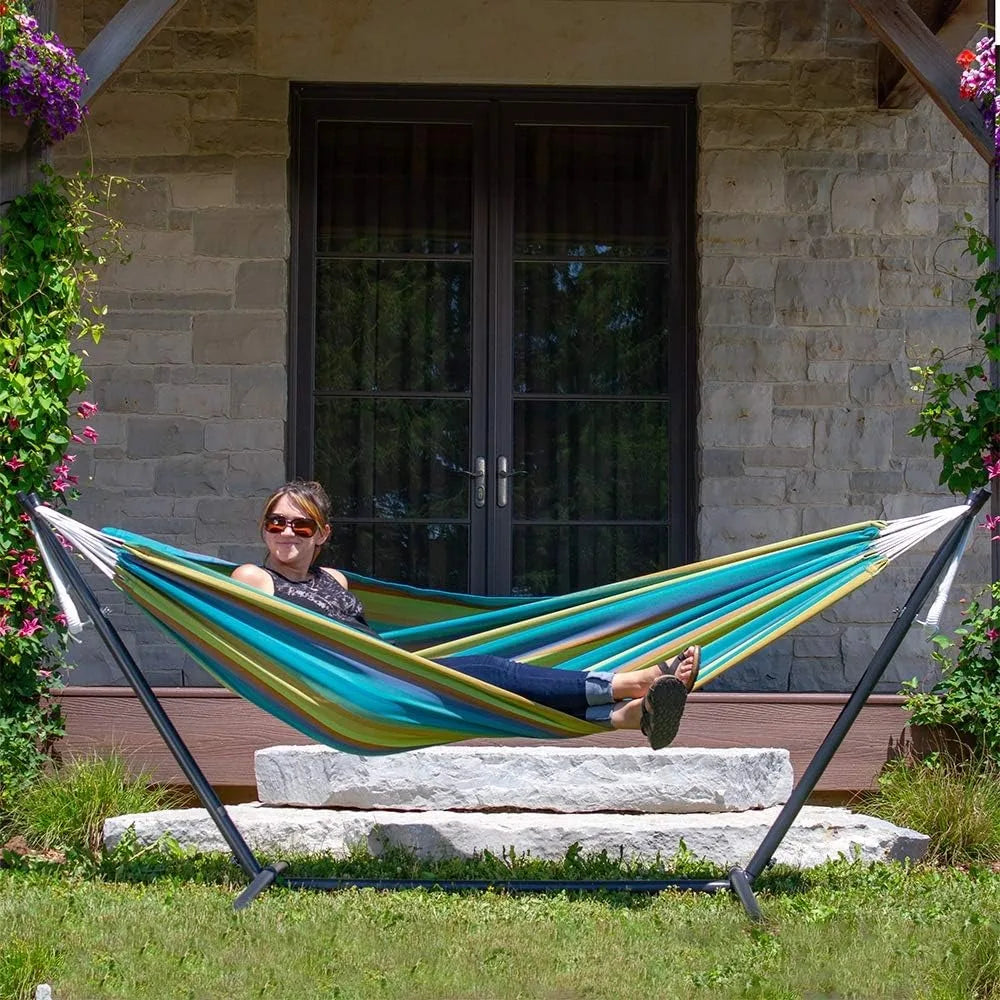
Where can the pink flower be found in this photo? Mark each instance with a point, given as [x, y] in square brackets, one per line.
[29, 627]
[76, 438]
[992, 466]
[86, 410]
[44, 674]
[59, 618]
[14, 463]
[992, 524]
[993, 634]
[4, 627]
[90, 434]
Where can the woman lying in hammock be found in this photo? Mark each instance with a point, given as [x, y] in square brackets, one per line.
[295, 527]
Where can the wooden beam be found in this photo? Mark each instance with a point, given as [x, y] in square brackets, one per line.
[223, 731]
[119, 39]
[933, 66]
[962, 26]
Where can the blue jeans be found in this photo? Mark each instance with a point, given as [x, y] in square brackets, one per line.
[587, 696]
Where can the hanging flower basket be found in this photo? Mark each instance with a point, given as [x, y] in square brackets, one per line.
[13, 133]
[40, 81]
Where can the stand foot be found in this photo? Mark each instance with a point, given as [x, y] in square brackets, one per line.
[264, 878]
[744, 891]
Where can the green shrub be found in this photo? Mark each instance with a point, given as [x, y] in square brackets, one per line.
[957, 804]
[65, 809]
[967, 697]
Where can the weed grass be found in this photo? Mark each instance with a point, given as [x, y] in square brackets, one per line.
[65, 809]
[956, 803]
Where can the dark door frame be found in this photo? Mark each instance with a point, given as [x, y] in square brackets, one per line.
[312, 103]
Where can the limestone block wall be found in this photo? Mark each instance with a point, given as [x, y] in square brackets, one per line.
[827, 267]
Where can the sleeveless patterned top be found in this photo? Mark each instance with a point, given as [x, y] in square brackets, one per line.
[321, 592]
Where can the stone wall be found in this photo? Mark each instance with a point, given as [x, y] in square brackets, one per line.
[827, 268]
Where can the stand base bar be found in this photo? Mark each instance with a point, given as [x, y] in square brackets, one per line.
[543, 885]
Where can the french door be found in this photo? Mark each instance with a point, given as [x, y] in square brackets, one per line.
[492, 333]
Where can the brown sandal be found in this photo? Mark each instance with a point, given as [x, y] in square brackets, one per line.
[669, 668]
[662, 709]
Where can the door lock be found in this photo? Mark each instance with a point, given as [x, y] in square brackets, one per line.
[479, 482]
[478, 476]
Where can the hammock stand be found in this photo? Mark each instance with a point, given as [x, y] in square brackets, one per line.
[739, 881]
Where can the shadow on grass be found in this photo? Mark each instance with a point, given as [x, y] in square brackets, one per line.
[169, 863]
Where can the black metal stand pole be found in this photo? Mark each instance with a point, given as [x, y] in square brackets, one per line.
[855, 703]
[147, 698]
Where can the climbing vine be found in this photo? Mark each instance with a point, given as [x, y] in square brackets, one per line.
[52, 241]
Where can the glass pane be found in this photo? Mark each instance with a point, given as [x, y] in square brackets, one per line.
[396, 187]
[394, 459]
[393, 325]
[591, 327]
[588, 190]
[591, 460]
[424, 555]
[551, 559]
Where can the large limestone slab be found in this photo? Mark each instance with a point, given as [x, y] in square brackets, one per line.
[557, 779]
[818, 834]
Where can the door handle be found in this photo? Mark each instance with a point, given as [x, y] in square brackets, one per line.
[503, 474]
[478, 477]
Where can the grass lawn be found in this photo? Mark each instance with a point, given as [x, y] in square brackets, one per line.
[843, 930]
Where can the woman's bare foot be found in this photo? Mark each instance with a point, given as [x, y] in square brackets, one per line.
[635, 683]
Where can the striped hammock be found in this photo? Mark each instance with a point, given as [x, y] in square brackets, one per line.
[361, 694]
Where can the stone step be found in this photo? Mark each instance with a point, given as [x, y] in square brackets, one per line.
[818, 834]
[543, 779]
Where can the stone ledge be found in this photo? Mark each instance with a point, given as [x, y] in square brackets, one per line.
[548, 779]
[818, 834]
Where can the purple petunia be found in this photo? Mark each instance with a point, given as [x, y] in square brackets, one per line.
[40, 80]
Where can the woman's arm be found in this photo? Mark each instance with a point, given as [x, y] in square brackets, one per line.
[255, 577]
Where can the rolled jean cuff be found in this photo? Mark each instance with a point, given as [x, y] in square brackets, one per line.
[597, 688]
[599, 714]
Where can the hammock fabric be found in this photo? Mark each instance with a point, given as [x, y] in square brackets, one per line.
[362, 694]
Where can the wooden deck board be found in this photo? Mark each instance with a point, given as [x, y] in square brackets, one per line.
[223, 731]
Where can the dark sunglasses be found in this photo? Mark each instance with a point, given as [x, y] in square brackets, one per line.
[304, 527]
